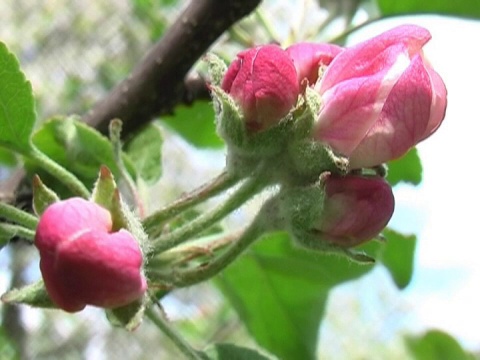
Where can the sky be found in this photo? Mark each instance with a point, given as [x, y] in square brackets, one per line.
[443, 211]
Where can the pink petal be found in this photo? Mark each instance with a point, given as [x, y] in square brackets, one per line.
[403, 120]
[309, 57]
[362, 59]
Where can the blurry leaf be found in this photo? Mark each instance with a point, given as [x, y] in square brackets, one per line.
[78, 147]
[233, 352]
[7, 158]
[17, 115]
[407, 169]
[468, 8]
[7, 345]
[398, 256]
[196, 124]
[280, 292]
[436, 345]
[145, 151]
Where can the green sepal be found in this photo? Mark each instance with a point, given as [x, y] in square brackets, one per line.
[311, 158]
[43, 196]
[129, 316]
[107, 194]
[305, 113]
[34, 295]
[216, 68]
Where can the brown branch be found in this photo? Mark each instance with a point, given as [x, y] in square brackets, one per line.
[157, 84]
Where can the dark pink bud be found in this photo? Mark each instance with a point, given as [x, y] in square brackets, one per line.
[83, 262]
[356, 209]
[380, 98]
[310, 58]
[263, 82]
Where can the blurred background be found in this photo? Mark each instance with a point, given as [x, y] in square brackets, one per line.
[74, 52]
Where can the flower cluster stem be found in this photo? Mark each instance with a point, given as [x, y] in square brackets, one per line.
[59, 172]
[250, 187]
[18, 216]
[155, 222]
[179, 341]
[193, 276]
[8, 231]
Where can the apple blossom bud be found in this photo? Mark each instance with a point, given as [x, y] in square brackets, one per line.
[263, 82]
[380, 98]
[83, 262]
[310, 58]
[356, 209]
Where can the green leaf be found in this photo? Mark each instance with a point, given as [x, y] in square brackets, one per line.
[77, 147]
[468, 8]
[280, 291]
[145, 151]
[233, 352]
[407, 169]
[398, 256]
[17, 114]
[435, 345]
[7, 158]
[196, 124]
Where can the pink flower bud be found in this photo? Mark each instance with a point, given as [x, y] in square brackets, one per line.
[263, 82]
[310, 58]
[380, 98]
[356, 209]
[83, 262]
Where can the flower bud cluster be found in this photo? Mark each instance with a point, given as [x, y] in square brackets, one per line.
[369, 104]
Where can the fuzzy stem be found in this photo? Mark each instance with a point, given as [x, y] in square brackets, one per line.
[155, 222]
[173, 335]
[202, 273]
[9, 231]
[18, 216]
[59, 172]
[250, 187]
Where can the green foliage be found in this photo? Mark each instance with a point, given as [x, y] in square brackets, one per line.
[233, 352]
[195, 123]
[436, 344]
[468, 8]
[7, 158]
[145, 150]
[398, 256]
[407, 169]
[77, 147]
[7, 346]
[17, 115]
[280, 292]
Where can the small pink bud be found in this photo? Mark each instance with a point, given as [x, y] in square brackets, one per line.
[263, 82]
[310, 58]
[380, 98]
[83, 262]
[356, 209]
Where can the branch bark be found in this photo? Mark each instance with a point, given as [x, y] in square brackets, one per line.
[158, 82]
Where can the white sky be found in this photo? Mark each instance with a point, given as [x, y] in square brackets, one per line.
[443, 211]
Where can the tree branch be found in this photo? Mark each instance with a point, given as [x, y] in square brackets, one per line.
[158, 83]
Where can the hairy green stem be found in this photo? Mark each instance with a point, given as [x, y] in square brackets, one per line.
[204, 272]
[153, 224]
[18, 216]
[172, 334]
[59, 172]
[250, 187]
[8, 231]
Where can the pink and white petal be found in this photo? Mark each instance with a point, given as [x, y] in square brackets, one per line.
[402, 122]
[366, 57]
